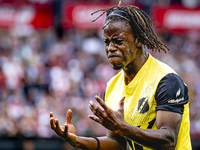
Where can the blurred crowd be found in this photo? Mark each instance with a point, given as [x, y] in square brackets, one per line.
[55, 69]
[50, 71]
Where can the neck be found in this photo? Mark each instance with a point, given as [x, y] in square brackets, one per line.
[132, 69]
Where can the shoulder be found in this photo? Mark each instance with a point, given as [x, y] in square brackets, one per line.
[171, 93]
[117, 79]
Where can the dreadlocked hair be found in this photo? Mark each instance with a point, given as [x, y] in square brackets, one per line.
[140, 23]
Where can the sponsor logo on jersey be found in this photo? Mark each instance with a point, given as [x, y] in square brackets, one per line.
[178, 92]
[178, 99]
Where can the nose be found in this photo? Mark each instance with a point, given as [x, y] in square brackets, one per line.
[111, 47]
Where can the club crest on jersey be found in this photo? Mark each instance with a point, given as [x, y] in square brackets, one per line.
[143, 105]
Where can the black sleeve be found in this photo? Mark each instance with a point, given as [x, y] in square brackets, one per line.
[171, 94]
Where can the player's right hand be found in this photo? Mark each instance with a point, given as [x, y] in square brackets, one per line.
[67, 130]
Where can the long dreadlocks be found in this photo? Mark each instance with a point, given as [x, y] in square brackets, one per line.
[140, 23]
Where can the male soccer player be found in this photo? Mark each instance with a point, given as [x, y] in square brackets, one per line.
[146, 103]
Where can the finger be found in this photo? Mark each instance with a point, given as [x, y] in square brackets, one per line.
[96, 110]
[66, 130]
[121, 103]
[51, 114]
[69, 116]
[105, 107]
[101, 102]
[58, 127]
[96, 119]
[52, 123]
[92, 106]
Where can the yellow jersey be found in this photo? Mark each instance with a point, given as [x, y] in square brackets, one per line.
[144, 96]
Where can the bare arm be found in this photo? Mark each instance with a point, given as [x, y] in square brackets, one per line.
[164, 137]
[111, 141]
[67, 133]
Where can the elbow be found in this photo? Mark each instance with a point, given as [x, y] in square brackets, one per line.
[169, 143]
[168, 139]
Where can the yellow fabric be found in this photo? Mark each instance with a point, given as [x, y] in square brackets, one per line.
[140, 104]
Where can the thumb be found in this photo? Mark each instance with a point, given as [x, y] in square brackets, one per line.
[121, 103]
[69, 116]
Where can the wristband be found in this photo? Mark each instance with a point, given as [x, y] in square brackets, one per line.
[98, 146]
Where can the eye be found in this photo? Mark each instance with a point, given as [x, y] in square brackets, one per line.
[106, 41]
[118, 42]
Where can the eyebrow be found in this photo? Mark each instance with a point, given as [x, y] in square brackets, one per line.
[119, 38]
[122, 38]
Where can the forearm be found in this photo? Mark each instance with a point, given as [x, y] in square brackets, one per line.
[156, 139]
[106, 143]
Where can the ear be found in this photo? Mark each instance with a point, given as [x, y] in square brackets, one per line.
[138, 43]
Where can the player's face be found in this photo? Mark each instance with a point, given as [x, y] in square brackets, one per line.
[119, 44]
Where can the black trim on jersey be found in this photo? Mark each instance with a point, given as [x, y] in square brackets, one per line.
[171, 94]
[138, 147]
[151, 123]
[130, 143]
[104, 96]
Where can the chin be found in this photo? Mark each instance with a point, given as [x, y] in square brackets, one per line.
[116, 67]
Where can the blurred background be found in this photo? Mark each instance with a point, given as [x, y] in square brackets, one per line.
[52, 58]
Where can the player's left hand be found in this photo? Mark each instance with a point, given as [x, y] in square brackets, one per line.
[110, 119]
